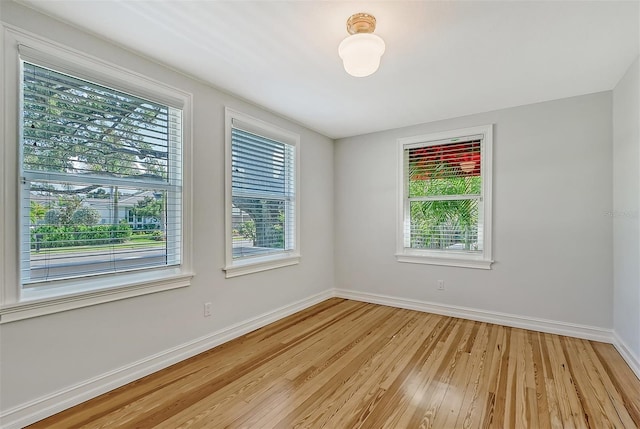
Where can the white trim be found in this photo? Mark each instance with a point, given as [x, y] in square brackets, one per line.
[49, 54]
[515, 321]
[9, 278]
[40, 307]
[632, 360]
[453, 258]
[261, 128]
[4, 174]
[254, 266]
[234, 268]
[448, 259]
[38, 409]
[444, 137]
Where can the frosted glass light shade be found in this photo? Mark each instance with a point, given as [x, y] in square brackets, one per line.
[361, 53]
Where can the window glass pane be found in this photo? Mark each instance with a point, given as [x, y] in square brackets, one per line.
[444, 225]
[101, 179]
[258, 226]
[263, 195]
[78, 230]
[449, 169]
[77, 127]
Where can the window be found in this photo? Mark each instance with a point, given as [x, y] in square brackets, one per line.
[262, 204]
[99, 182]
[87, 153]
[445, 206]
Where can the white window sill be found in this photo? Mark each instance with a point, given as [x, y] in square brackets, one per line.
[449, 259]
[48, 300]
[255, 265]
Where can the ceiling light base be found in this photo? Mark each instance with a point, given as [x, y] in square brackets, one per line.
[361, 23]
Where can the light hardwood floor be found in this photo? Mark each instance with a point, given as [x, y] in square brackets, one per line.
[347, 364]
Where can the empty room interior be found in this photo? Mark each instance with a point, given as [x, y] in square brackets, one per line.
[322, 214]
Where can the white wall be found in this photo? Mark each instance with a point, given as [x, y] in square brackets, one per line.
[553, 238]
[40, 356]
[626, 222]
[551, 229]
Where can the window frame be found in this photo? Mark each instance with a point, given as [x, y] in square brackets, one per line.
[237, 267]
[447, 257]
[18, 303]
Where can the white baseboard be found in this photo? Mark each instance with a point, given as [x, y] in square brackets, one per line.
[46, 406]
[512, 320]
[632, 360]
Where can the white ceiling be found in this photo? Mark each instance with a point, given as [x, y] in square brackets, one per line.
[443, 59]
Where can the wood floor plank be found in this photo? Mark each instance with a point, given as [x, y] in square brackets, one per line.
[347, 364]
[348, 398]
[385, 381]
[324, 369]
[356, 357]
[397, 390]
[474, 394]
[542, 408]
[599, 407]
[489, 378]
[250, 384]
[623, 381]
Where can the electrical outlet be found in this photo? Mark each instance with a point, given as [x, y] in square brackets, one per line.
[207, 309]
[440, 284]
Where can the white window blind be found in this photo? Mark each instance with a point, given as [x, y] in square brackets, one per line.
[101, 179]
[263, 195]
[443, 188]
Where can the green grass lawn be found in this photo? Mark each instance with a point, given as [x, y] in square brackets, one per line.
[135, 242]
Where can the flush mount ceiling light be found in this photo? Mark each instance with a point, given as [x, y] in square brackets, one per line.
[361, 51]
